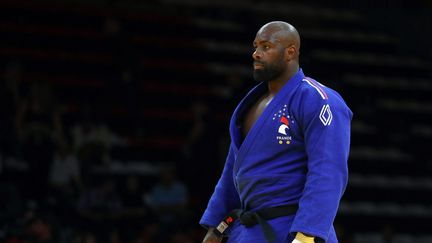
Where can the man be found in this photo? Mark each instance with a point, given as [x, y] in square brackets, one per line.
[286, 168]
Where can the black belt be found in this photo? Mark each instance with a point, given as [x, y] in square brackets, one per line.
[251, 218]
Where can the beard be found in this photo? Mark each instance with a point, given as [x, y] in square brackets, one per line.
[268, 72]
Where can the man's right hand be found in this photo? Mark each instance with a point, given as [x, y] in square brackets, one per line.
[211, 237]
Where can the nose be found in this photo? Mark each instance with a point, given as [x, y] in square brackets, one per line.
[256, 55]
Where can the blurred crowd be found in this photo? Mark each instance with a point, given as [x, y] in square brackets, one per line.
[51, 192]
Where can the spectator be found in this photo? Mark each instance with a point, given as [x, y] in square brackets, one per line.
[40, 229]
[201, 150]
[168, 199]
[11, 93]
[65, 174]
[100, 201]
[65, 182]
[11, 204]
[134, 211]
[39, 128]
[99, 209]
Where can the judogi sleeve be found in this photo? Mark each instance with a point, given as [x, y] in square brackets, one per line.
[326, 126]
[225, 197]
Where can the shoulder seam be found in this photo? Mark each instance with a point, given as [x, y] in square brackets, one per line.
[317, 87]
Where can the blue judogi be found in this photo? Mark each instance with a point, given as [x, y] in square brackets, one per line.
[295, 153]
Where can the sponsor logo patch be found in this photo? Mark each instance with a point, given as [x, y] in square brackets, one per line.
[326, 115]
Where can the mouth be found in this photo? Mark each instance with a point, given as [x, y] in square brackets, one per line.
[257, 65]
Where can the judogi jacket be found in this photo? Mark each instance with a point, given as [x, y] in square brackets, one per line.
[295, 153]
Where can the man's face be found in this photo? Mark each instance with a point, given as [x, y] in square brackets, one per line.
[268, 57]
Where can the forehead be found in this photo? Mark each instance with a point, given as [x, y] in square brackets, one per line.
[267, 35]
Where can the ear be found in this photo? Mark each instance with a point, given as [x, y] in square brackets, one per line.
[290, 53]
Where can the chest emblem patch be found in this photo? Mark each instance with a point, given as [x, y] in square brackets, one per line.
[283, 131]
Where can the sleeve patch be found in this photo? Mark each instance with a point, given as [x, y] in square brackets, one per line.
[326, 115]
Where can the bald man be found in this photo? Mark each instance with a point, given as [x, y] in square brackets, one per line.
[286, 168]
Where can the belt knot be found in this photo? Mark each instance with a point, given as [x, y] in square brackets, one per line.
[248, 218]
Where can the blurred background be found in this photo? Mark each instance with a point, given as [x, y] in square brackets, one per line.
[114, 114]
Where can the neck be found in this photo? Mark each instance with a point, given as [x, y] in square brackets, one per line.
[275, 85]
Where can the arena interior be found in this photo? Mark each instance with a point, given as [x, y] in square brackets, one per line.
[104, 101]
